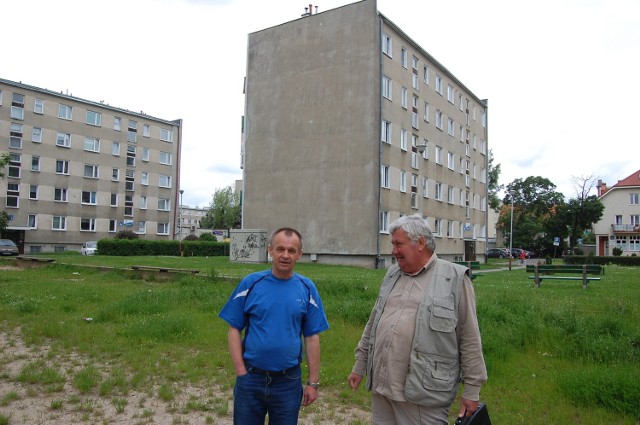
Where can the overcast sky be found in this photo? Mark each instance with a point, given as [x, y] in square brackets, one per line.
[562, 76]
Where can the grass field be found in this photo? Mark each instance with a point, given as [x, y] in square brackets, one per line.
[558, 354]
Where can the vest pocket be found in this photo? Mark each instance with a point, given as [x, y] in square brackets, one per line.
[443, 316]
[432, 380]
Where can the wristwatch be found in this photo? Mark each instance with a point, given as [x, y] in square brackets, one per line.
[315, 385]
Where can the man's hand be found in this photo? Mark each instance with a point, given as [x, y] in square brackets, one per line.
[354, 380]
[310, 395]
[467, 407]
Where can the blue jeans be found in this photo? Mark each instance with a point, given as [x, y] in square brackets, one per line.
[258, 393]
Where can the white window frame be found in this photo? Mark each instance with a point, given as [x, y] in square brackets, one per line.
[92, 144]
[87, 222]
[93, 118]
[36, 135]
[93, 171]
[164, 204]
[63, 140]
[387, 45]
[59, 223]
[403, 181]
[64, 165]
[387, 87]
[384, 222]
[166, 158]
[385, 180]
[38, 106]
[65, 112]
[386, 133]
[164, 181]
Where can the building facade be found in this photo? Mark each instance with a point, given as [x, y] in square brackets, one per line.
[350, 124]
[82, 170]
[620, 223]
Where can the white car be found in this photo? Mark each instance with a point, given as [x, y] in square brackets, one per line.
[89, 248]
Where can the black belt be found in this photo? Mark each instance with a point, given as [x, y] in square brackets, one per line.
[258, 371]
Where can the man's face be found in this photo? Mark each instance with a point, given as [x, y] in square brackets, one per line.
[409, 255]
[285, 251]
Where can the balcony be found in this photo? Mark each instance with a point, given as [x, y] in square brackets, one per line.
[626, 228]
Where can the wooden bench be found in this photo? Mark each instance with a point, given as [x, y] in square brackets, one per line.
[543, 271]
[164, 269]
[471, 265]
[27, 261]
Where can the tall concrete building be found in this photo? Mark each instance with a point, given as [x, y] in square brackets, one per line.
[350, 124]
[82, 170]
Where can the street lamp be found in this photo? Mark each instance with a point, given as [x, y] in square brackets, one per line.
[511, 231]
[181, 222]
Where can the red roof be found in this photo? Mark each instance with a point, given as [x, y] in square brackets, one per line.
[632, 180]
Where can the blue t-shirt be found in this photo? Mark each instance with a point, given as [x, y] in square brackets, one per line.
[274, 314]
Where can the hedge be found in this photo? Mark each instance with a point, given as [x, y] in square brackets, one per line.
[128, 247]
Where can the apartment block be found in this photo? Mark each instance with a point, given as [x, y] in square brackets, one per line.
[619, 226]
[81, 170]
[349, 124]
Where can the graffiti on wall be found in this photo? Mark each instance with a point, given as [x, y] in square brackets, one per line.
[247, 246]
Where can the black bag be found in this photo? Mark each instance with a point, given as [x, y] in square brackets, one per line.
[479, 417]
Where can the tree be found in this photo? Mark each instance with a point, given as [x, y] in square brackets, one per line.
[493, 174]
[225, 210]
[4, 217]
[579, 214]
[535, 204]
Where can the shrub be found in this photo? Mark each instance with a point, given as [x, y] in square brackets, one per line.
[208, 237]
[190, 238]
[126, 234]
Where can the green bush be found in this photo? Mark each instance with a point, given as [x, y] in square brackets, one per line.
[131, 247]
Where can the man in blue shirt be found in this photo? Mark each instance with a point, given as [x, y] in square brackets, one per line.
[275, 309]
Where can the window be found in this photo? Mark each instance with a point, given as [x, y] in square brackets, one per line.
[403, 57]
[38, 106]
[451, 93]
[451, 197]
[384, 221]
[166, 135]
[132, 131]
[117, 123]
[13, 195]
[60, 194]
[635, 219]
[165, 158]
[425, 75]
[425, 154]
[128, 206]
[113, 200]
[633, 198]
[438, 194]
[163, 229]
[92, 145]
[143, 202]
[439, 88]
[414, 112]
[404, 98]
[438, 155]
[384, 176]
[63, 140]
[634, 243]
[163, 204]
[91, 171]
[94, 118]
[426, 111]
[403, 139]
[131, 156]
[33, 191]
[115, 149]
[36, 135]
[145, 155]
[449, 229]
[15, 136]
[425, 187]
[386, 132]
[439, 120]
[386, 87]
[387, 45]
[129, 180]
[59, 223]
[451, 161]
[403, 181]
[15, 164]
[142, 227]
[62, 166]
[32, 221]
[89, 197]
[65, 112]
[17, 106]
[87, 224]
[146, 130]
[35, 163]
[164, 181]
[451, 127]
[144, 178]
[437, 228]
[115, 174]
[113, 225]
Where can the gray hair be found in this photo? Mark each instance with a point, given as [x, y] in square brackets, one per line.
[416, 227]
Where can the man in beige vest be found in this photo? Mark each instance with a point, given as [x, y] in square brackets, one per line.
[422, 338]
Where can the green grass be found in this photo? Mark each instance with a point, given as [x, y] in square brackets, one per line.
[555, 354]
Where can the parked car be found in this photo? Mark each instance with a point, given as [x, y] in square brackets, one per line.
[8, 247]
[497, 253]
[89, 248]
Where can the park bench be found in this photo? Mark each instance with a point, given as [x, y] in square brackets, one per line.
[471, 265]
[551, 271]
[164, 269]
[27, 261]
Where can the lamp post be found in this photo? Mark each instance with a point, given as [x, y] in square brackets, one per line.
[180, 222]
[511, 231]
